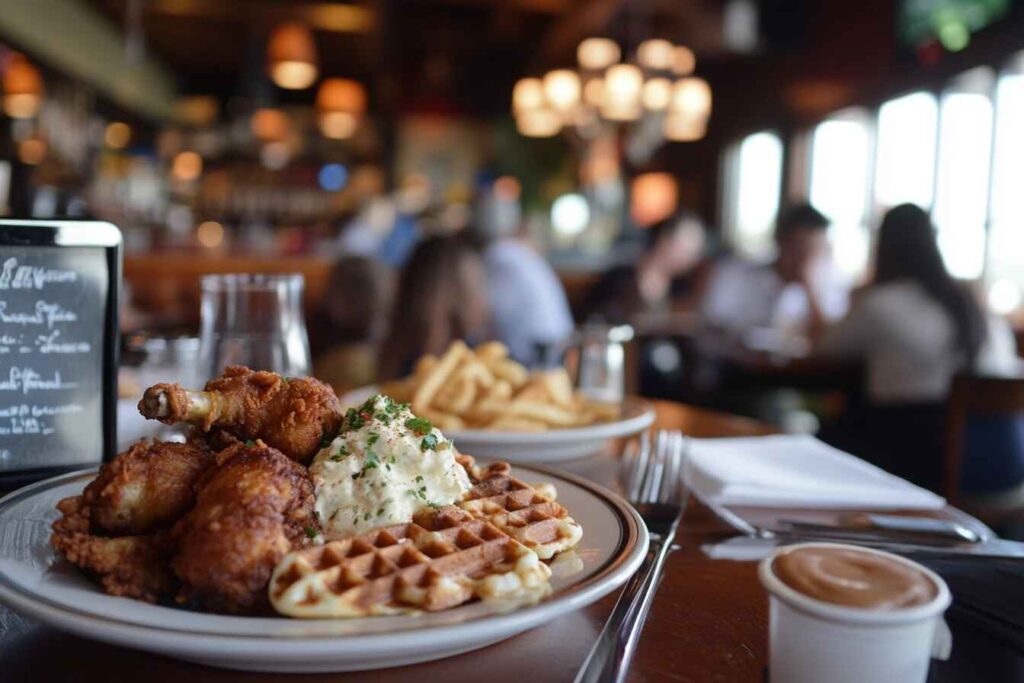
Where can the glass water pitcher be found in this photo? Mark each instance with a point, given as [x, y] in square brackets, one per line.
[254, 320]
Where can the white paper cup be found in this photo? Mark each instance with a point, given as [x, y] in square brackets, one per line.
[813, 641]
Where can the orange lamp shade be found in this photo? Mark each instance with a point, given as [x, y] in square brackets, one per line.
[23, 88]
[341, 95]
[291, 56]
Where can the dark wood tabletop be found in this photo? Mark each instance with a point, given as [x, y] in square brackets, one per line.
[709, 621]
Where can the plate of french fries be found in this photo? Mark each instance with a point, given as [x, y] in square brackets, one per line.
[493, 407]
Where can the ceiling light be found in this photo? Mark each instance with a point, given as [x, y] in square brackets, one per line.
[23, 88]
[291, 56]
[655, 54]
[597, 53]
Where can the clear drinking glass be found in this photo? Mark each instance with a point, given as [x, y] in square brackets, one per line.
[597, 359]
[254, 320]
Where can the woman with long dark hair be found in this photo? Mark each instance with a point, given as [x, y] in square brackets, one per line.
[441, 297]
[914, 327]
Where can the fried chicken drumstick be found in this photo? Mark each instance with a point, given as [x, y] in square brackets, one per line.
[118, 529]
[294, 416]
[252, 508]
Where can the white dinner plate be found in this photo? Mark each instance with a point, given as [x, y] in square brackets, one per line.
[37, 582]
[555, 445]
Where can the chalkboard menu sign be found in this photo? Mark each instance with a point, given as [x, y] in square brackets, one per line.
[59, 283]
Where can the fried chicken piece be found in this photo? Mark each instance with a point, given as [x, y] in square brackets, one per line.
[148, 487]
[130, 566]
[295, 416]
[252, 508]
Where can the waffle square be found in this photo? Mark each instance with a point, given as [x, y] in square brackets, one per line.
[524, 513]
[441, 559]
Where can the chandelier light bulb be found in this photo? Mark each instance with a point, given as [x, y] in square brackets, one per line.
[597, 53]
[291, 56]
[692, 97]
[682, 128]
[683, 61]
[528, 94]
[657, 94]
[562, 88]
[538, 123]
[655, 54]
[623, 84]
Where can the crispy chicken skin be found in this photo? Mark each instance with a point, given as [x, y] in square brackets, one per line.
[252, 508]
[295, 416]
[148, 487]
[130, 566]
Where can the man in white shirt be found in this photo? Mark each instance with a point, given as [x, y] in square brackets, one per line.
[529, 309]
[744, 296]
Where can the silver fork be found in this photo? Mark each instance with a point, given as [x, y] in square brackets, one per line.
[654, 486]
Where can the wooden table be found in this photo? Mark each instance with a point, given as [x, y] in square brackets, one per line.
[708, 623]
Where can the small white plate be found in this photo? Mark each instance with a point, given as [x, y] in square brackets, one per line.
[555, 445]
[35, 581]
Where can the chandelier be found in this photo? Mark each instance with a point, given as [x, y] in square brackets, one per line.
[655, 91]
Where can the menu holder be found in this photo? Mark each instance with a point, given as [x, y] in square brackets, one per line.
[59, 291]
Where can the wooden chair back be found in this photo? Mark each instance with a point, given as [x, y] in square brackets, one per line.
[975, 395]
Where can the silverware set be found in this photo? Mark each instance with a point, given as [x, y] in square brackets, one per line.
[654, 485]
[652, 474]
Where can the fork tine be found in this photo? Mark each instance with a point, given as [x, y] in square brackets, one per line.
[656, 468]
[639, 468]
[673, 470]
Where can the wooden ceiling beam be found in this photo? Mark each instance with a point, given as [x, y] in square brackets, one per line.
[74, 38]
[323, 16]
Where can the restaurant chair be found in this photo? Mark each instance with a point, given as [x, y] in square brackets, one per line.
[976, 396]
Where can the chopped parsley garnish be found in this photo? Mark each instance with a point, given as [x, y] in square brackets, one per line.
[380, 511]
[429, 442]
[370, 462]
[378, 407]
[419, 478]
[249, 443]
[366, 517]
[337, 457]
[419, 425]
[325, 441]
[374, 438]
[311, 532]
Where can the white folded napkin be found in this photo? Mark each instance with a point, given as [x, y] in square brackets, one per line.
[795, 471]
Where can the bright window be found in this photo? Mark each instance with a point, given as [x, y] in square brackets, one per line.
[1005, 268]
[753, 186]
[840, 168]
[905, 154]
[961, 188]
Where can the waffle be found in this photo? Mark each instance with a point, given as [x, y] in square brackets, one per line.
[523, 512]
[441, 559]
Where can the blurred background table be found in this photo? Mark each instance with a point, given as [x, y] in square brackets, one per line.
[709, 621]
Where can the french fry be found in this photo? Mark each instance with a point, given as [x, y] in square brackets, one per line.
[491, 351]
[559, 387]
[499, 391]
[444, 421]
[486, 389]
[544, 412]
[510, 371]
[436, 377]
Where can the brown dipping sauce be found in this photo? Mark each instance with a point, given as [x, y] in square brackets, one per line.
[853, 578]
